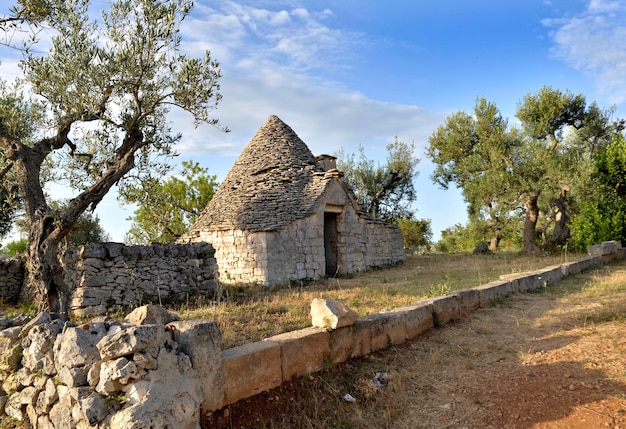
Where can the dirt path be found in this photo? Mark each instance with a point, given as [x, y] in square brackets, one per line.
[551, 359]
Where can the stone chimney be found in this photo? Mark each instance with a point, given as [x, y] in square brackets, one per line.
[328, 162]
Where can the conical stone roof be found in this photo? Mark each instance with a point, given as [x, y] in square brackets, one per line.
[275, 181]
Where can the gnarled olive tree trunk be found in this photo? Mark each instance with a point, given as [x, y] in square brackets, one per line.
[45, 273]
[530, 223]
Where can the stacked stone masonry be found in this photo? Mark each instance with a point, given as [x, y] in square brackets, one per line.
[153, 371]
[112, 276]
[11, 279]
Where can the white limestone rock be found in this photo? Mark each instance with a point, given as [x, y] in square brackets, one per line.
[38, 347]
[132, 339]
[46, 398]
[150, 315]
[93, 409]
[76, 346]
[115, 374]
[331, 314]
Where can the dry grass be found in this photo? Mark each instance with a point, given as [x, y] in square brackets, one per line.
[253, 313]
[549, 359]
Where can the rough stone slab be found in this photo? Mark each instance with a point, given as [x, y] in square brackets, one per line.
[351, 341]
[132, 339]
[604, 248]
[326, 313]
[493, 291]
[303, 351]
[445, 309]
[468, 300]
[550, 274]
[418, 318]
[387, 329]
[202, 342]
[150, 315]
[244, 376]
[522, 283]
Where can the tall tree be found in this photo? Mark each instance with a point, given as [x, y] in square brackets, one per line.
[563, 132]
[384, 191]
[100, 98]
[168, 208]
[475, 153]
[503, 170]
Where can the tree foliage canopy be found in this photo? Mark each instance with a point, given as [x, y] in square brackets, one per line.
[603, 217]
[504, 171]
[168, 208]
[92, 107]
[384, 191]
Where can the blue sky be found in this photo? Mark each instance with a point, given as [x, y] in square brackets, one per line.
[344, 73]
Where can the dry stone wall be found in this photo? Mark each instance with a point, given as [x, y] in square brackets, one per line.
[112, 276]
[153, 372]
[11, 279]
[107, 277]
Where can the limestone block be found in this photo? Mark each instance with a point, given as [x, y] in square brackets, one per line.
[13, 407]
[302, 351]
[145, 361]
[137, 392]
[115, 374]
[73, 377]
[468, 300]
[61, 417]
[445, 309]
[130, 340]
[43, 422]
[28, 395]
[76, 346]
[202, 342]
[172, 399]
[525, 282]
[93, 375]
[604, 248]
[331, 314]
[38, 344]
[418, 318]
[46, 398]
[8, 338]
[493, 291]
[387, 329]
[10, 383]
[351, 341]
[149, 315]
[93, 409]
[39, 319]
[550, 274]
[11, 357]
[251, 369]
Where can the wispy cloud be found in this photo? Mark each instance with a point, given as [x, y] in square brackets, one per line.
[281, 62]
[298, 39]
[594, 42]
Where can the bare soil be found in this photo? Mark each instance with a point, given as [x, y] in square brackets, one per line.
[555, 358]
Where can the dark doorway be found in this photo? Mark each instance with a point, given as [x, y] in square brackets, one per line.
[330, 243]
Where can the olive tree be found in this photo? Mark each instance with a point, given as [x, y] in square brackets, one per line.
[91, 107]
[384, 191]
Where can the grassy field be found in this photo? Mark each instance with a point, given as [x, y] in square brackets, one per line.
[247, 314]
[548, 359]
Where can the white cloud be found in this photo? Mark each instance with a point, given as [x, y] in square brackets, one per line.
[594, 42]
[297, 39]
[327, 117]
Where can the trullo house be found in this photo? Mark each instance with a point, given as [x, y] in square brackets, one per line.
[282, 215]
